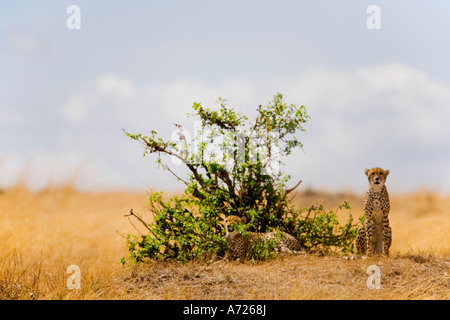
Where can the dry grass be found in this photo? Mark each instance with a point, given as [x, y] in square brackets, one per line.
[42, 233]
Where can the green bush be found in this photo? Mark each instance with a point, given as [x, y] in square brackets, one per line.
[241, 176]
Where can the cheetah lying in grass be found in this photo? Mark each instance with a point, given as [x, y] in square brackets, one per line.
[239, 245]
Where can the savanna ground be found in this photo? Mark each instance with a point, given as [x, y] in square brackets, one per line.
[44, 232]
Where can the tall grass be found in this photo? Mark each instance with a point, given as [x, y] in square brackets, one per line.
[44, 232]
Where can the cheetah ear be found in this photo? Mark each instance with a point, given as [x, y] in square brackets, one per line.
[366, 171]
[243, 219]
[387, 172]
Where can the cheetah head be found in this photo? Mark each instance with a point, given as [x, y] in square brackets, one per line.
[377, 177]
[230, 223]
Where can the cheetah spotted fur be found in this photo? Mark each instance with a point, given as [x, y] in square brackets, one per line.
[239, 245]
[375, 236]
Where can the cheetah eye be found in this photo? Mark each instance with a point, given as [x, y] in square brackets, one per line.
[231, 229]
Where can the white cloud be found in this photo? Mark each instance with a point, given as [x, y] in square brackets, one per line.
[419, 102]
[42, 169]
[13, 118]
[75, 110]
[110, 84]
[24, 43]
[368, 116]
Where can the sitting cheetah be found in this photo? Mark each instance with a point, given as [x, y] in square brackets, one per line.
[375, 235]
[239, 245]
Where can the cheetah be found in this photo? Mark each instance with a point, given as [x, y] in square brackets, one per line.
[375, 236]
[239, 245]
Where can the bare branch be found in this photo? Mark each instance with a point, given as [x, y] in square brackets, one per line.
[225, 176]
[158, 148]
[287, 191]
[140, 220]
[176, 176]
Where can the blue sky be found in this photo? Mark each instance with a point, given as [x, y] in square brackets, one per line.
[376, 97]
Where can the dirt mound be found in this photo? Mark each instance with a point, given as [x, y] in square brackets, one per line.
[293, 277]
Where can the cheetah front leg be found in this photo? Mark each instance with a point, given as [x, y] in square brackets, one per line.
[369, 236]
[361, 245]
[387, 231]
[387, 238]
